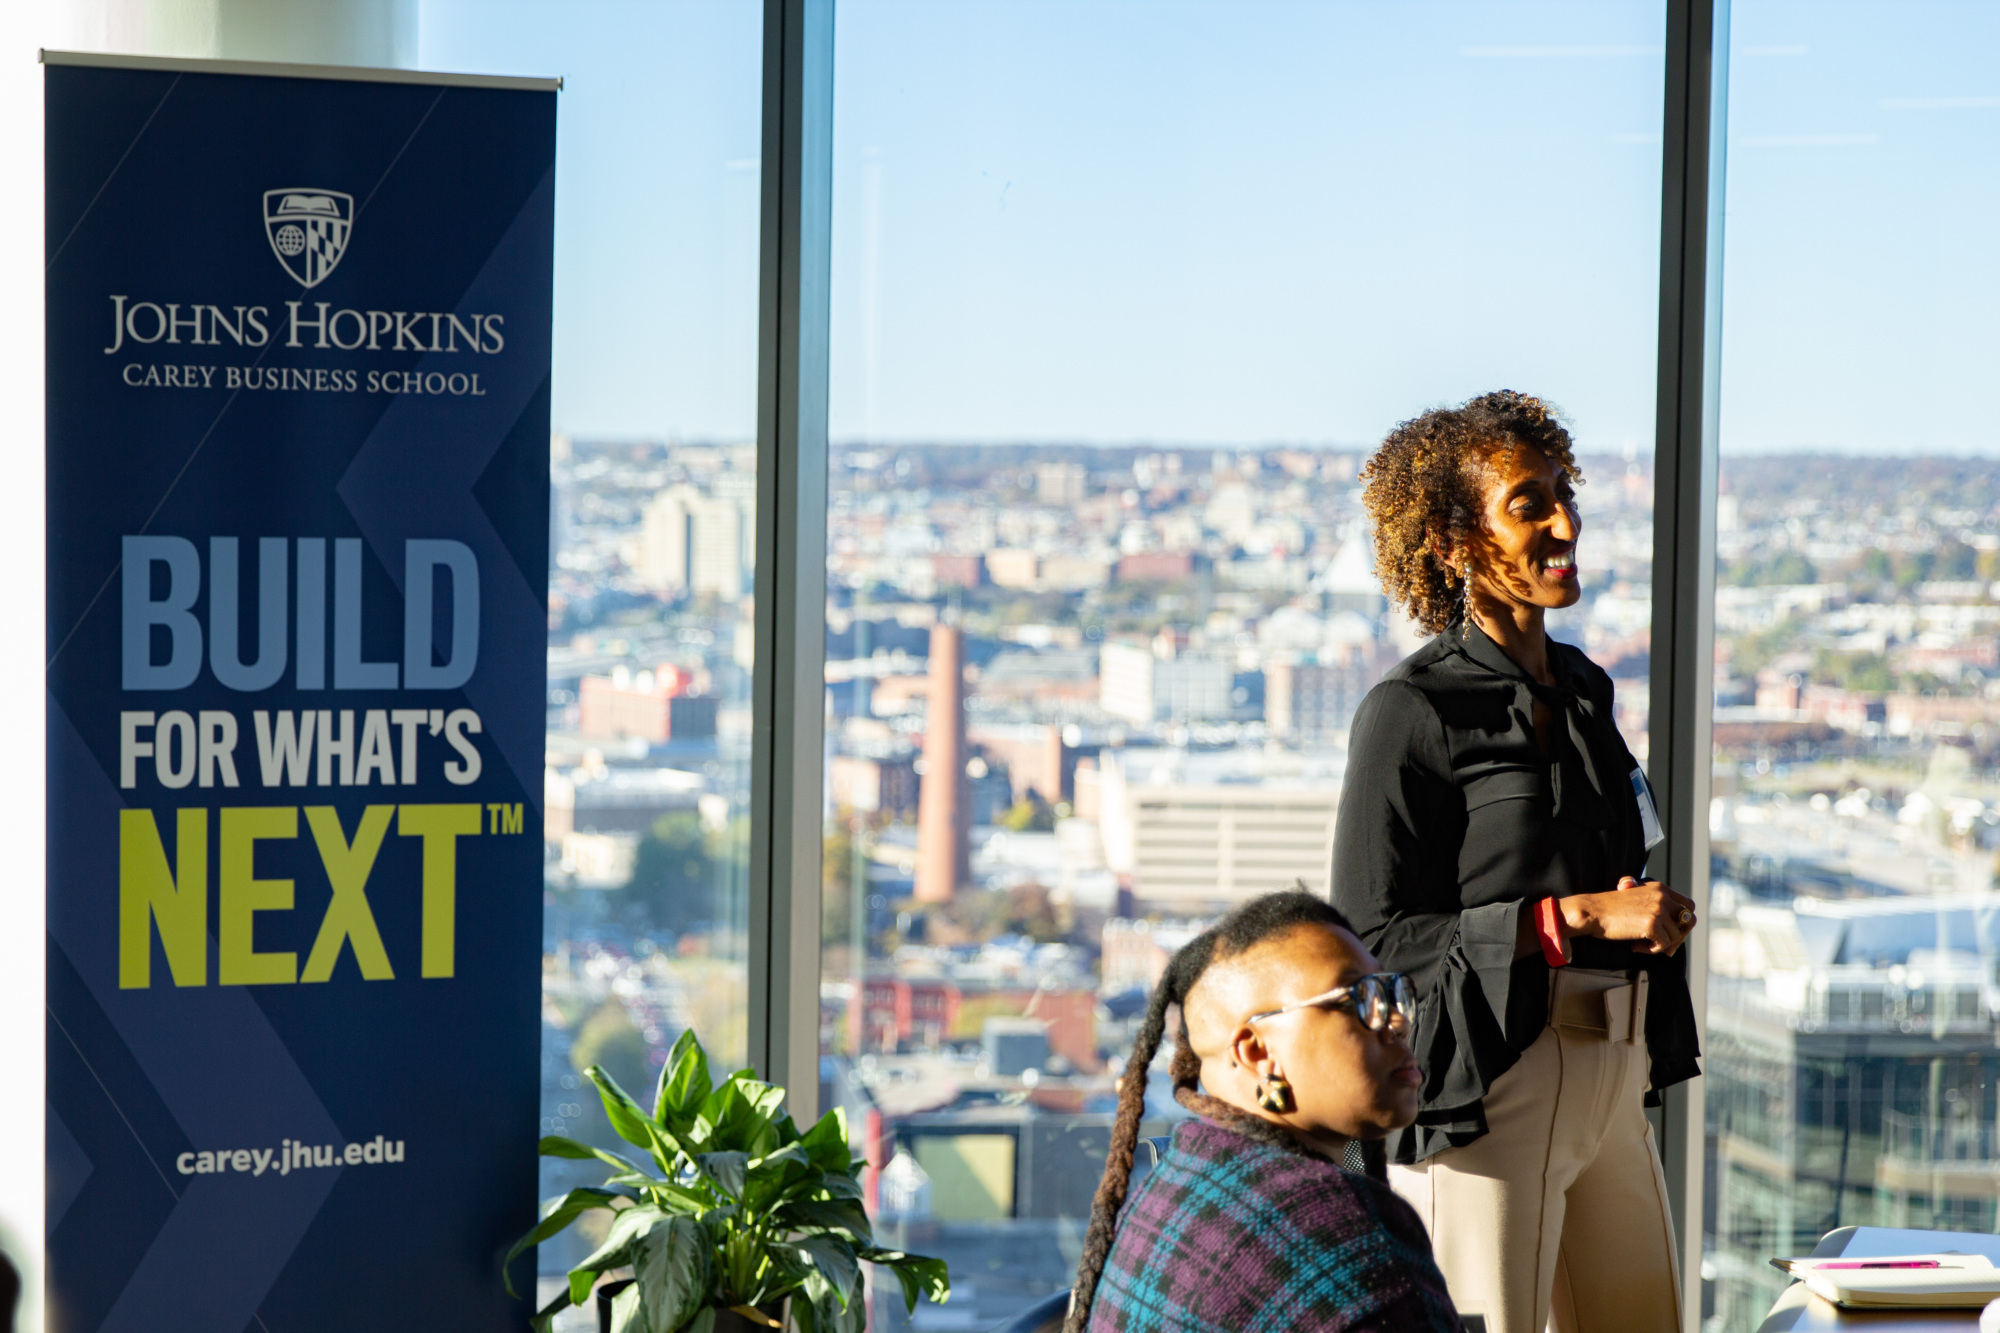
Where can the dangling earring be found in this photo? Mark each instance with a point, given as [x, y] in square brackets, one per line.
[1464, 597]
[1275, 1095]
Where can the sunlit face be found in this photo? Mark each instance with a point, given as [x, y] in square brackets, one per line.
[1525, 551]
[1346, 1080]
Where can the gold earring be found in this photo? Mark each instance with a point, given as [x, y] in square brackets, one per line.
[1274, 1094]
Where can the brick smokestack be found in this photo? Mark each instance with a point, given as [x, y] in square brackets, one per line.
[943, 812]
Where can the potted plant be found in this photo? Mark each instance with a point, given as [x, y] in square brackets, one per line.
[736, 1216]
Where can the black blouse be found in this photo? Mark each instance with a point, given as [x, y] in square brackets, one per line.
[1452, 820]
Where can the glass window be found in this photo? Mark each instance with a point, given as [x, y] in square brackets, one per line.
[1850, 1055]
[653, 496]
[1122, 295]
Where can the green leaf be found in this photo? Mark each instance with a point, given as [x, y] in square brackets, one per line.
[826, 1142]
[823, 1310]
[557, 1214]
[835, 1261]
[920, 1276]
[684, 1083]
[840, 1187]
[765, 1099]
[833, 1318]
[785, 1271]
[633, 1125]
[703, 1321]
[720, 1114]
[791, 1156]
[784, 1174]
[555, 1145]
[628, 1311]
[739, 1116]
[844, 1217]
[671, 1263]
[765, 1107]
[615, 1252]
[726, 1169]
[679, 1198]
[814, 1304]
[743, 1256]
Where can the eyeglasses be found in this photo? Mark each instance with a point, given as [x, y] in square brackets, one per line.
[1378, 1000]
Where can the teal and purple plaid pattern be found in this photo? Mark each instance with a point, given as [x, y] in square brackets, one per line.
[1229, 1234]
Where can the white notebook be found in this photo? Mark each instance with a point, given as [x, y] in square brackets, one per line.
[1958, 1280]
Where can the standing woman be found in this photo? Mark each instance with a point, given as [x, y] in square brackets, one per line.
[1491, 843]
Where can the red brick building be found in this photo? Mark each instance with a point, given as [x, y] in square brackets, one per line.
[653, 706]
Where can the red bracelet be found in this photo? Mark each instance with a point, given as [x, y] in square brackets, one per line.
[1549, 926]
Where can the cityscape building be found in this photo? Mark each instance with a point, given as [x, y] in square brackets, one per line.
[1161, 683]
[1187, 836]
[700, 539]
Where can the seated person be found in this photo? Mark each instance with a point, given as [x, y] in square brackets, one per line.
[1290, 1046]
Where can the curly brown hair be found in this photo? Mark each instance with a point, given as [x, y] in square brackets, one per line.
[1425, 480]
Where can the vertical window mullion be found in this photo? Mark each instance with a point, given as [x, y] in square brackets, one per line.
[785, 796]
[1683, 635]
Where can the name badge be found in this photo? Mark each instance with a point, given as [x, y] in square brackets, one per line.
[1649, 814]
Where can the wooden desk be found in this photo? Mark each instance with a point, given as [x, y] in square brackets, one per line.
[1799, 1311]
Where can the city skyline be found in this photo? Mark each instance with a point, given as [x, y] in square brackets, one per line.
[1152, 659]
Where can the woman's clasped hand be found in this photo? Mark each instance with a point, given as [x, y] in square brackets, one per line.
[1650, 915]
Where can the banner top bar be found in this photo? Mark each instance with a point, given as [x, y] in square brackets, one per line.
[282, 70]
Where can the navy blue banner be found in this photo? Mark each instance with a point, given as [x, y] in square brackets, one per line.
[298, 416]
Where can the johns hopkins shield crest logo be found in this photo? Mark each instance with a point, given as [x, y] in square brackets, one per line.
[308, 230]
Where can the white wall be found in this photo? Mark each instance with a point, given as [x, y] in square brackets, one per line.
[333, 32]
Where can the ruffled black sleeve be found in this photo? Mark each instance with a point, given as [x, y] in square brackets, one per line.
[1395, 876]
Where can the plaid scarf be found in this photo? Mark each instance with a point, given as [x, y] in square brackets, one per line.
[1231, 1234]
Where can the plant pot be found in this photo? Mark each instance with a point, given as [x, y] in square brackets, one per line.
[726, 1321]
[605, 1291]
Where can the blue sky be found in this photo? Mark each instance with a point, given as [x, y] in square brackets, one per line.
[1862, 284]
[1257, 221]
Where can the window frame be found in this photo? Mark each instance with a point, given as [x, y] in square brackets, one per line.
[787, 774]
[788, 673]
[1680, 727]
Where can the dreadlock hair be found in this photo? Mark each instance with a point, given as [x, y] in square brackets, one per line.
[1252, 923]
[1424, 483]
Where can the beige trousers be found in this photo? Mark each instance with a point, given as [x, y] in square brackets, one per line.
[1557, 1218]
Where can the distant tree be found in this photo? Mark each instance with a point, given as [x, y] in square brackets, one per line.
[685, 876]
[1751, 653]
[1868, 672]
[1784, 567]
[1030, 815]
[1904, 569]
[838, 889]
[1031, 911]
[1955, 561]
[1024, 909]
[1909, 568]
[609, 1038]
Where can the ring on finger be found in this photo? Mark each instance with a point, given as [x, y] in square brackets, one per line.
[1687, 916]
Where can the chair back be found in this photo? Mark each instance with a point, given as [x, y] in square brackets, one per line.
[1045, 1316]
